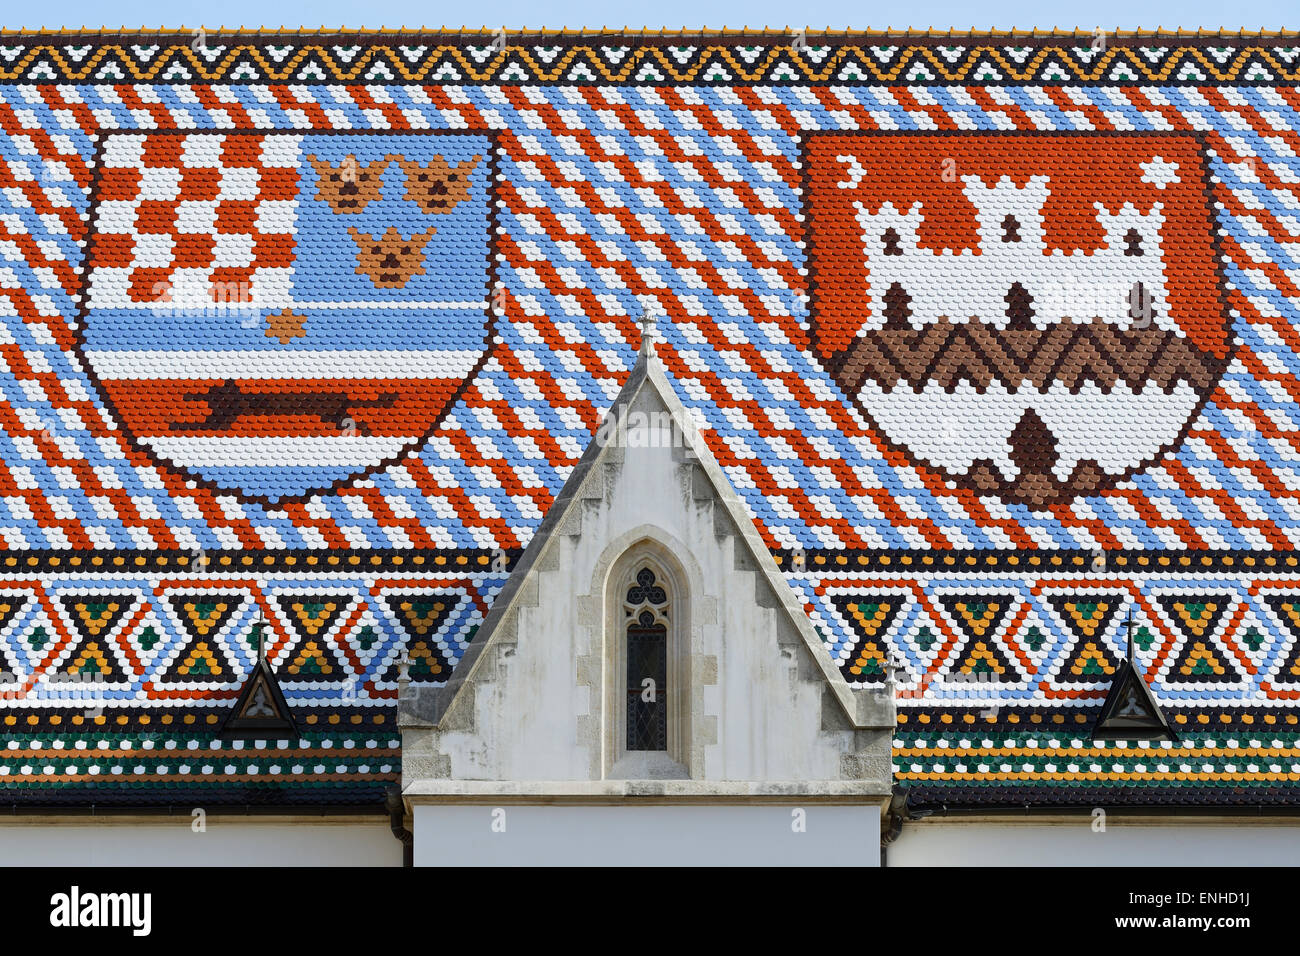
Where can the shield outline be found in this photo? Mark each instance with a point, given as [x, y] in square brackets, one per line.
[830, 364]
[169, 467]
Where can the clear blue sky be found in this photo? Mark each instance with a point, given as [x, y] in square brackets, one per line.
[939, 14]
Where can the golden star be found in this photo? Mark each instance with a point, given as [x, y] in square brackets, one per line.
[285, 325]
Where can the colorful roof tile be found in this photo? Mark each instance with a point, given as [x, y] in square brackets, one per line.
[995, 337]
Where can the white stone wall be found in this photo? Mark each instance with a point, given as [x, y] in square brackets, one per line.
[646, 836]
[172, 841]
[1167, 841]
[758, 698]
[772, 757]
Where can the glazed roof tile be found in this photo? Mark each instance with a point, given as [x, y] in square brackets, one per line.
[994, 335]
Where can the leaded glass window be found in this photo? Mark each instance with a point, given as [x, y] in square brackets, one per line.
[646, 609]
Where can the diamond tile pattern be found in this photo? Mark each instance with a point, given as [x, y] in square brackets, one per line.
[823, 313]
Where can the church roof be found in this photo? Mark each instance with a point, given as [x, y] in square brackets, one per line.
[308, 331]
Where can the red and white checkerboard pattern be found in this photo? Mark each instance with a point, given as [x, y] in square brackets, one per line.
[230, 239]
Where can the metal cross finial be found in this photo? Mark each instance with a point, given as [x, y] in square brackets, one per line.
[261, 634]
[647, 323]
[1128, 624]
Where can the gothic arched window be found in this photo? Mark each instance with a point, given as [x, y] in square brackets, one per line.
[645, 610]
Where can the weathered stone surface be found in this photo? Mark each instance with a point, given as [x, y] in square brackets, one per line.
[536, 700]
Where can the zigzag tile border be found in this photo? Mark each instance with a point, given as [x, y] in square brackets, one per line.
[142, 643]
[1221, 641]
[792, 59]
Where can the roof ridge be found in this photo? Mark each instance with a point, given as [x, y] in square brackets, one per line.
[723, 33]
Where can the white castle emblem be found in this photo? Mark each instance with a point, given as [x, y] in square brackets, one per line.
[1122, 282]
[1029, 372]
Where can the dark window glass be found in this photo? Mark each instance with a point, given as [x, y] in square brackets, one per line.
[647, 665]
[647, 677]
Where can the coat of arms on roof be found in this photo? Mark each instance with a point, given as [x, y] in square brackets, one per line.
[993, 306]
[272, 314]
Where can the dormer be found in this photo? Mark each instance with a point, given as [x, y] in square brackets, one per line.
[647, 685]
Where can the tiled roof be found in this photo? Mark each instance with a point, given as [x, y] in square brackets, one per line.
[947, 759]
[996, 339]
[650, 58]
